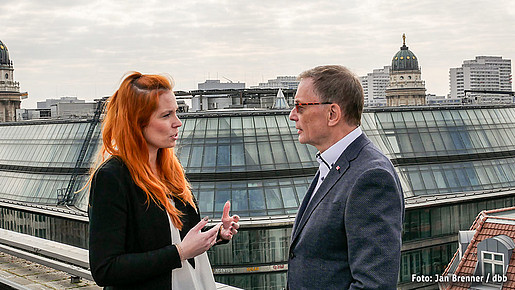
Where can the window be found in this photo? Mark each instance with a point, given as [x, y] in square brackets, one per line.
[493, 263]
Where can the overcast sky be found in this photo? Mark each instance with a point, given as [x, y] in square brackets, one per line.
[83, 48]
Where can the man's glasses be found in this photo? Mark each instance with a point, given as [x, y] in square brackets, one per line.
[300, 105]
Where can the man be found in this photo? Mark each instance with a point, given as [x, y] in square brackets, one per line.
[347, 233]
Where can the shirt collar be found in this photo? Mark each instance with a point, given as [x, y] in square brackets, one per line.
[331, 155]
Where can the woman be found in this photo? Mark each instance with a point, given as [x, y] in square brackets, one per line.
[145, 228]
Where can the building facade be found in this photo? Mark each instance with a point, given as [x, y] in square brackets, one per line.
[406, 87]
[62, 108]
[453, 162]
[483, 77]
[280, 82]
[9, 89]
[374, 86]
[200, 102]
[432, 99]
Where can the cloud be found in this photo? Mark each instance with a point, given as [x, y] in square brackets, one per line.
[84, 47]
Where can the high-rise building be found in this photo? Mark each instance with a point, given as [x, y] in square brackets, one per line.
[9, 89]
[374, 86]
[482, 80]
[406, 86]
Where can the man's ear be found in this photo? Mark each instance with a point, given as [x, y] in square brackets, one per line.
[334, 115]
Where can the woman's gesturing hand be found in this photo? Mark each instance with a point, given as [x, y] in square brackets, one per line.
[230, 224]
[196, 242]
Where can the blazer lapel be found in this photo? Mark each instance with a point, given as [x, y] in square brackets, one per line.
[332, 177]
[337, 171]
[305, 201]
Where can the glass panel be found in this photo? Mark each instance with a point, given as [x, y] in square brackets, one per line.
[271, 125]
[196, 156]
[289, 197]
[251, 154]
[283, 123]
[261, 129]
[416, 181]
[200, 128]
[279, 153]
[222, 196]
[237, 155]
[211, 127]
[265, 153]
[248, 124]
[256, 198]
[440, 179]
[206, 201]
[236, 127]
[223, 155]
[409, 119]
[498, 270]
[240, 200]
[428, 180]
[224, 127]
[273, 198]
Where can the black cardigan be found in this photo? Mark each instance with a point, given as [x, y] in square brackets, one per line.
[130, 240]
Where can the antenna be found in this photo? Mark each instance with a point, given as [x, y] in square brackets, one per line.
[228, 79]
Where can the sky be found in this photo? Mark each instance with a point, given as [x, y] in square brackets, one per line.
[84, 48]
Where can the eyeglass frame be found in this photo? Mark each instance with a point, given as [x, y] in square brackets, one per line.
[297, 104]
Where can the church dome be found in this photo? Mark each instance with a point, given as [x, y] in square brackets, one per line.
[4, 55]
[404, 59]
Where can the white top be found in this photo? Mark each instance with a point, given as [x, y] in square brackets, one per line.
[331, 155]
[187, 277]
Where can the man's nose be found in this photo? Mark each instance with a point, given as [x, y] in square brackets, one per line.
[293, 114]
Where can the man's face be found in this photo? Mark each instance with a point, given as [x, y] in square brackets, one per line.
[310, 120]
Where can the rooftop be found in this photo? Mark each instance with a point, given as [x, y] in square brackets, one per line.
[488, 224]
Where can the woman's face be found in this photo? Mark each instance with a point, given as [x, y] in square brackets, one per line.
[163, 127]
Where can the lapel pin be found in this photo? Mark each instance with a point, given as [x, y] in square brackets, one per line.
[338, 168]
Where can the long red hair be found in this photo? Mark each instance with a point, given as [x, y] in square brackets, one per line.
[128, 112]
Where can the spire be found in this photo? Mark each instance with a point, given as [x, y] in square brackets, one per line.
[280, 101]
[404, 47]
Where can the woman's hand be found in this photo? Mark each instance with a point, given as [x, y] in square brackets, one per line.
[230, 224]
[196, 242]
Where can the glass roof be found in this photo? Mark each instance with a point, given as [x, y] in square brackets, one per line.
[255, 159]
[242, 143]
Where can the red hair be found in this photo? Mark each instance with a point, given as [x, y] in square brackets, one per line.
[128, 112]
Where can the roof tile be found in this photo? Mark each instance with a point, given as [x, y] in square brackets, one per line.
[485, 230]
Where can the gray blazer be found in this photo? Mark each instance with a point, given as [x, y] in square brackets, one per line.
[349, 235]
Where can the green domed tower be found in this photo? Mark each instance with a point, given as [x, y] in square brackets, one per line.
[4, 55]
[404, 59]
[9, 89]
[406, 88]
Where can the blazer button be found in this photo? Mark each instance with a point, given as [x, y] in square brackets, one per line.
[292, 255]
